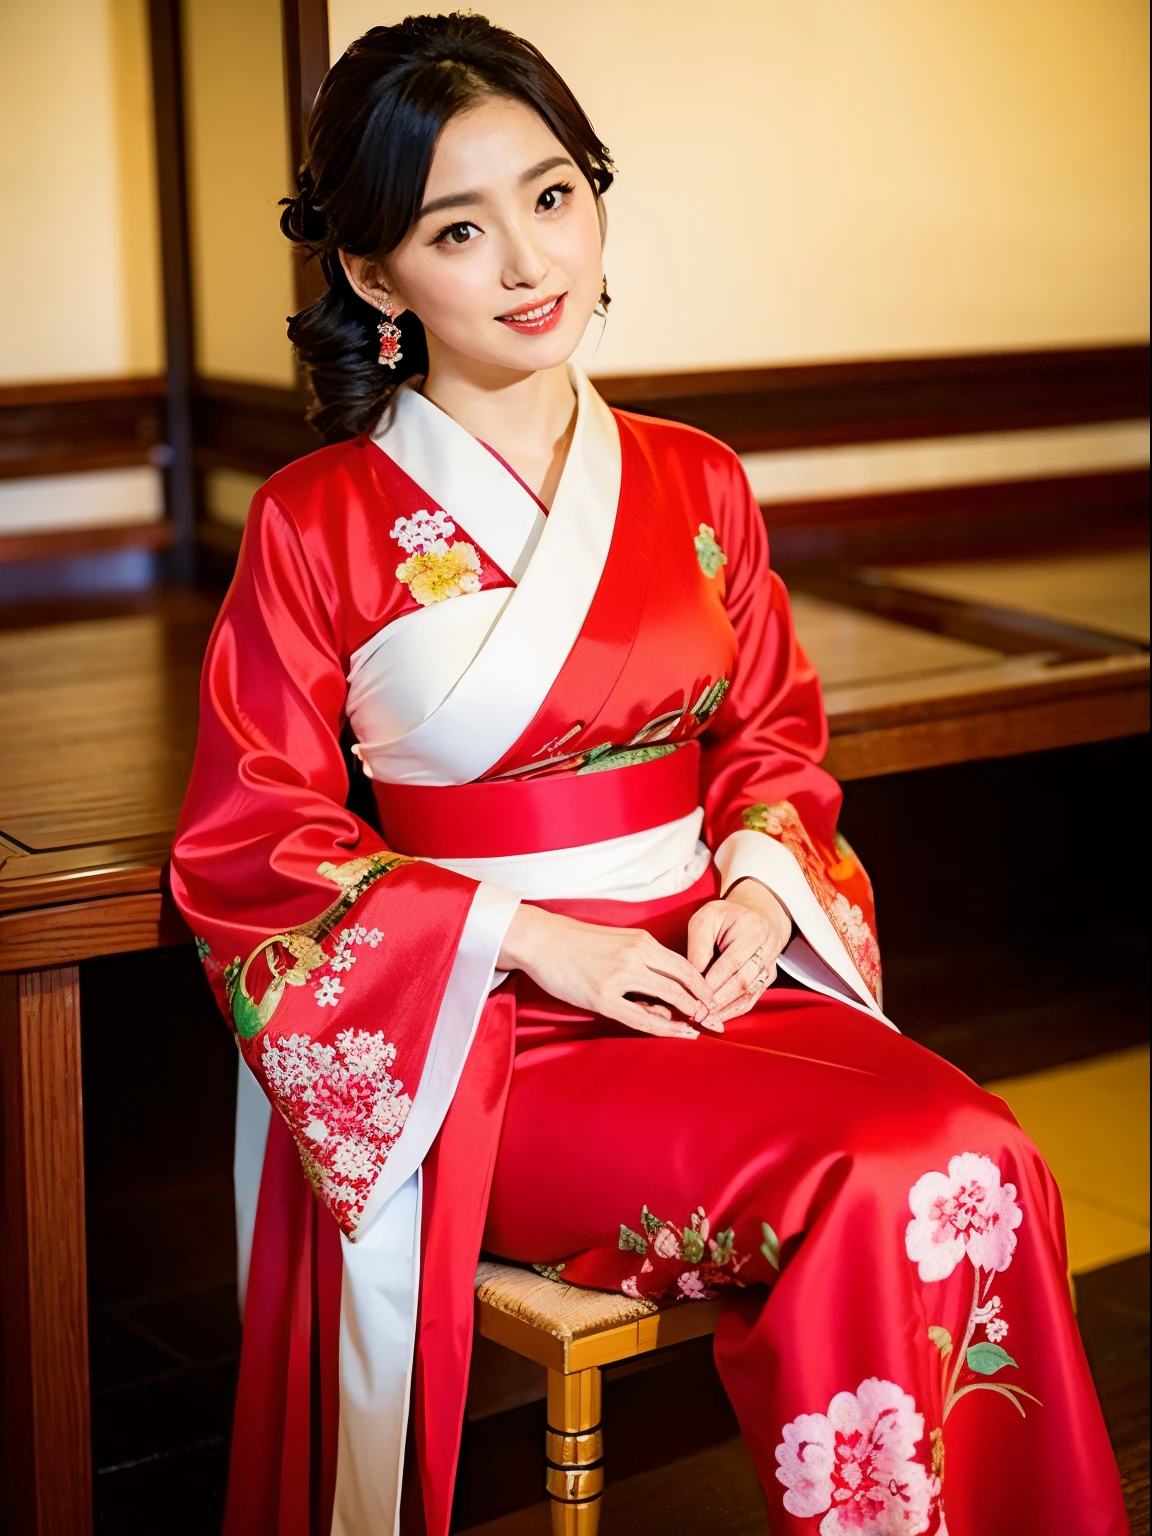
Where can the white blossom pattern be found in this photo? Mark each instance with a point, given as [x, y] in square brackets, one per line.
[855, 1466]
[966, 1211]
[344, 1108]
[327, 994]
[424, 532]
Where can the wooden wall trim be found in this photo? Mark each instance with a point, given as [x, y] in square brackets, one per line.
[62, 428]
[71, 543]
[73, 391]
[1013, 518]
[817, 404]
[252, 427]
[802, 406]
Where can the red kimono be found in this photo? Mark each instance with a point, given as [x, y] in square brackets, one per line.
[603, 710]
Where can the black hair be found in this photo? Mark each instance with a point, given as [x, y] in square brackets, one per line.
[371, 138]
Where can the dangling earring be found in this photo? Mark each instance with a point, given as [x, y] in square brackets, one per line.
[604, 300]
[389, 334]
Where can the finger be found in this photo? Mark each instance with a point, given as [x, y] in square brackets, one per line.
[703, 928]
[666, 962]
[751, 977]
[658, 985]
[745, 941]
[636, 1016]
[751, 996]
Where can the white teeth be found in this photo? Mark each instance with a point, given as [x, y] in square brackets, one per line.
[534, 314]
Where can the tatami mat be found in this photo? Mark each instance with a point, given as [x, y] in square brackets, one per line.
[1090, 1120]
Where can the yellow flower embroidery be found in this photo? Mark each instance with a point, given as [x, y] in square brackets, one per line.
[437, 574]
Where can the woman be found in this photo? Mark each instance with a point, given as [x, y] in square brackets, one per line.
[572, 683]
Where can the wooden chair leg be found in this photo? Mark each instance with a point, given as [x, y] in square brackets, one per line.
[575, 1446]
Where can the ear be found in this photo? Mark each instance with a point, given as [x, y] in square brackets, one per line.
[601, 214]
[368, 280]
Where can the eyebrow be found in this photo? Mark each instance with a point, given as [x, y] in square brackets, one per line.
[466, 199]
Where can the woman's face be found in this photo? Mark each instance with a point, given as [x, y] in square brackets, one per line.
[503, 263]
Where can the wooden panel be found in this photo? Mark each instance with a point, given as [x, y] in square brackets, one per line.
[68, 543]
[851, 648]
[53, 935]
[106, 724]
[1017, 517]
[1024, 705]
[61, 428]
[46, 1489]
[1107, 592]
[253, 427]
[810, 404]
[132, 867]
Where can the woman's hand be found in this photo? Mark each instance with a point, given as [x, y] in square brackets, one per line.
[749, 927]
[609, 971]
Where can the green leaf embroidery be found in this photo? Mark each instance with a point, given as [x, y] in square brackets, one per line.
[626, 757]
[723, 1241]
[203, 948]
[942, 1339]
[630, 1240]
[650, 1223]
[246, 1016]
[692, 1246]
[549, 1271]
[709, 554]
[770, 1247]
[711, 699]
[987, 1359]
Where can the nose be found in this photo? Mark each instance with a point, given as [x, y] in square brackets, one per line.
[525, 265]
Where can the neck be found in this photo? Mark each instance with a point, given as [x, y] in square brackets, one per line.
[527, 417]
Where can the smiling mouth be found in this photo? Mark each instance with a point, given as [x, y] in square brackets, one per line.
[533, 319]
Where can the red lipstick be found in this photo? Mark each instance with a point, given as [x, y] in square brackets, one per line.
[535, 319]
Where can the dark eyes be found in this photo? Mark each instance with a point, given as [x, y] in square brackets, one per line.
[553, 198]
[549, 201]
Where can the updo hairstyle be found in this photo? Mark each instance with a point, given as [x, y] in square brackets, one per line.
[371, 138]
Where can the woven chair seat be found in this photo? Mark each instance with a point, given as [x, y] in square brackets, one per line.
[565, 1311]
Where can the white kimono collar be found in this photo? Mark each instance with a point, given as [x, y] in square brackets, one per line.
[491, 678]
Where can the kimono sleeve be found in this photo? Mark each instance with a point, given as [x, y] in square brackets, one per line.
[770, 809]
[338, 963]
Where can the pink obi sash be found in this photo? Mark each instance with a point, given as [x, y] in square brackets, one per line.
[497, 820]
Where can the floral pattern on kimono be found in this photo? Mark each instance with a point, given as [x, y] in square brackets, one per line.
[689, 1263]
[855, 1465]
[831, 883]
[968, 1213]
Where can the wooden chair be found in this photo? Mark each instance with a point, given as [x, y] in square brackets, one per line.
[574, 1333]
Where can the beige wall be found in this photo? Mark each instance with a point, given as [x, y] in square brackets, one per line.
[820, 180]
[79, 272]
[238, 169]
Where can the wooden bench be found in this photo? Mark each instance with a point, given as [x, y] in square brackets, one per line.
[97, 740]
[574, 1332]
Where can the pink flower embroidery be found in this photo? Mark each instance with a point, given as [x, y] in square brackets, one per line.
[666, 1243]
[854, 1465]
[964, 1211]
[692, 1287]
[344, 1108]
